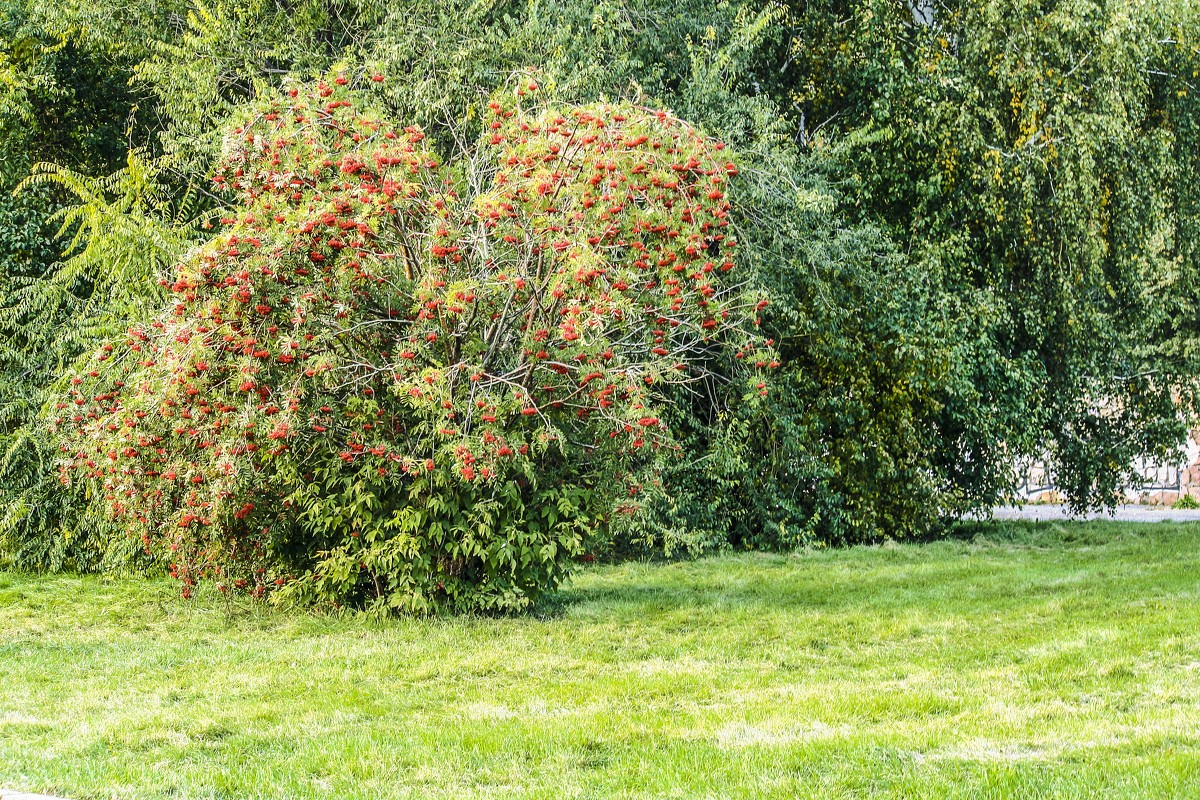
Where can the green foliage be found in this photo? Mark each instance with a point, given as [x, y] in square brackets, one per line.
[1030, 150]
[119, 245]
[59, 101]
[846, 448]
[849, 444]
[1186, 501]
[444, 544]
[977, 221]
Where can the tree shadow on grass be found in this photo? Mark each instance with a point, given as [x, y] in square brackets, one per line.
[982, 566]
[1058, 533]
[954, 586]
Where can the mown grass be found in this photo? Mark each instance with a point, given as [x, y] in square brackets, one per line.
[1030, 661]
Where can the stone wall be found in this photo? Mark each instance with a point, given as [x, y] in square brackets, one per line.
[1163, 484]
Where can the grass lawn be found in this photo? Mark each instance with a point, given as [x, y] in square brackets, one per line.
[1031, 661]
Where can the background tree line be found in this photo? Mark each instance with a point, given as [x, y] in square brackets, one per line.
[977, 222]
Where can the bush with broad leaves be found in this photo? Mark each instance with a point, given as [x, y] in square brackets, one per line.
[398, 381]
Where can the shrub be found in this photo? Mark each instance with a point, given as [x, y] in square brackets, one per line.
[850, 445]
[846, 448]
[1185, 502]
[395, 382]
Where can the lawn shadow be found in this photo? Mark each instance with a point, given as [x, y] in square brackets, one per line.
[987, 564]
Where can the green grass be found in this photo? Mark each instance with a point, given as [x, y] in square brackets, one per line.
[1030, 661]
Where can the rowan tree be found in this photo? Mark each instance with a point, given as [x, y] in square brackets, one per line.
[394, 380]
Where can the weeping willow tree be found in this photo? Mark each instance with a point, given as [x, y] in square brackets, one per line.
[1040, 155]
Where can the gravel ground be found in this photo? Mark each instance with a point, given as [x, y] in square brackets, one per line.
[1128, 513]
